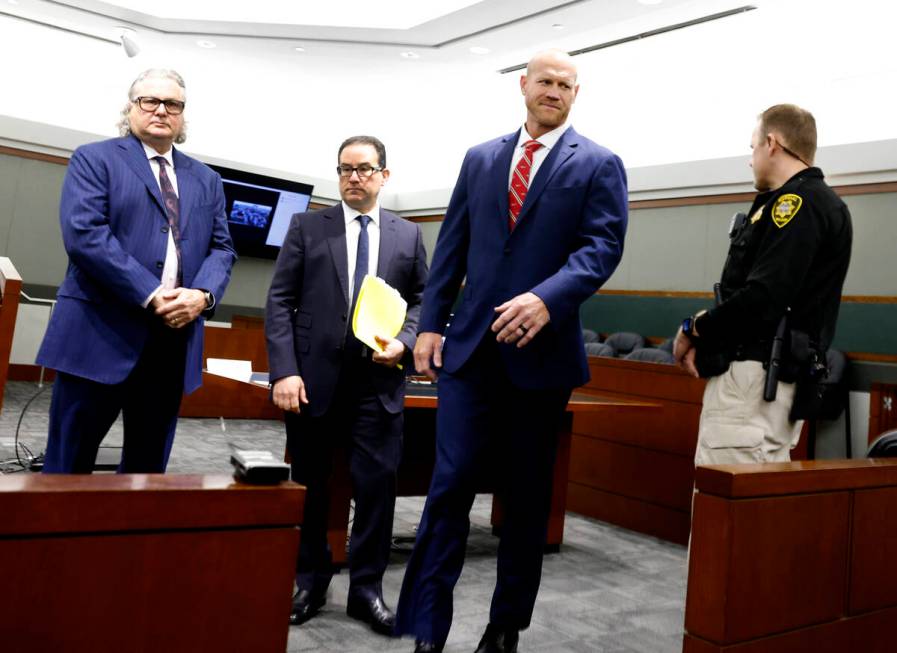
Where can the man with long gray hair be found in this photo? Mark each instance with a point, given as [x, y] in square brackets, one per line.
[149, 256]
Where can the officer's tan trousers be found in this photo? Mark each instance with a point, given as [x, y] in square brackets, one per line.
[737, 426]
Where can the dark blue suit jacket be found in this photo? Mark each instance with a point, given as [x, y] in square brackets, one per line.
[306, 318]
[567, 242]
[115, 232]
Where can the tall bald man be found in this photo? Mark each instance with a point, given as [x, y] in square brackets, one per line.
[535, 225]
[149, 256]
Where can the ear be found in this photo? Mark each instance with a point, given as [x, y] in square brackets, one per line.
[523, 84]
[385, 173]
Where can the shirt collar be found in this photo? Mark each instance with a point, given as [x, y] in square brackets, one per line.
[350, 214]
[152, 154]
[548, 140]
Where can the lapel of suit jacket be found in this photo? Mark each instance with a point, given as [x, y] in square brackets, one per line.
[563, 150]
[387, 242]
[501, 169]
[135, 156]
[183, 168]
[335, 233]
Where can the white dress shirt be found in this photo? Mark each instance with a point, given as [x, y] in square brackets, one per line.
[353, 231]
[548, 141]
[170, 268]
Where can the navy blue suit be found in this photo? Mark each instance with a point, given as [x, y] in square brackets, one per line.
[112, 354]
[497, 397]
[353, 402]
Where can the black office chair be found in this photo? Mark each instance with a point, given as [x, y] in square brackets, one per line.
[835, 400]
[625, 342]
[600, 349]
[589, 336]
[650, 355]
[884, 446]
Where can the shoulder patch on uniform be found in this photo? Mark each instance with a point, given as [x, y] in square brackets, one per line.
[786, 207]
[757, 215]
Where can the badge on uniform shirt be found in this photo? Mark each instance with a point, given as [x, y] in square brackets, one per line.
[757, 215]
[786, 207]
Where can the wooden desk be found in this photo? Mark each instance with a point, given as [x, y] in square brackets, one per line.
[793, 557]
[418, 458]
[146, 563]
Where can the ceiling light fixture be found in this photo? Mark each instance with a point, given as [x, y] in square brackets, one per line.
[128, 43]
[408, 54]
[478, 49]
[208, 45]
[299, 48]
[558, 26]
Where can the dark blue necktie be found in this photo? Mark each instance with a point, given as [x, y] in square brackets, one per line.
[362, 256]
[172, 209]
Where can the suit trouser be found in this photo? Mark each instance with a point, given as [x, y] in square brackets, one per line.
[738, 426]
[82, 411]
[372, 437]
[485, 427]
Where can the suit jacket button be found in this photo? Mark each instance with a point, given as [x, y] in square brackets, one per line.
[164, 230]
[507, 250]
[160, 264]
[344, 317]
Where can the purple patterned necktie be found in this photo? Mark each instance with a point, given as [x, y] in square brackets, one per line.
[172, 209]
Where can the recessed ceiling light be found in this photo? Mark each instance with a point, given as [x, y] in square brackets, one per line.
[558, 26]
[205, 44]
[408, 54]
[299, 48]
[478, 49]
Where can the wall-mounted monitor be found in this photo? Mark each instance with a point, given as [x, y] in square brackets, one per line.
[259, 209]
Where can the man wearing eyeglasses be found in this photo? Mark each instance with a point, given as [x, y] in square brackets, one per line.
[149, 257]
[335, 391]
[764, 345]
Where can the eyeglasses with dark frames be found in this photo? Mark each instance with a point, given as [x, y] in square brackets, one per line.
[365, 170]
[150, 104]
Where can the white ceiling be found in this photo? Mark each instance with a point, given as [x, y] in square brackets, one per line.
[439, 32]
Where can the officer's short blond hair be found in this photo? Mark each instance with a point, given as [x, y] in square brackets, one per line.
[796, 126]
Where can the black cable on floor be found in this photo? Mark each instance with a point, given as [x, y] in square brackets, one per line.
[31, 461]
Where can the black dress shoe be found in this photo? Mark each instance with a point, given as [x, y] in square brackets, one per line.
[305, 606]
[370, 608]
[426, 647]
[498, 640]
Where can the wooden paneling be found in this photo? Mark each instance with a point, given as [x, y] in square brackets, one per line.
[656, 477]
[672, 429]
[873, 572]
[743, 481]
[146, 563]
[793, 557]
[634, 514]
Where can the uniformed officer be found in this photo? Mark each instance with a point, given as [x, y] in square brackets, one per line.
[787, 258]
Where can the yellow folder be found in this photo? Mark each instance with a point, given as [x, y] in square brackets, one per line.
[380, 310]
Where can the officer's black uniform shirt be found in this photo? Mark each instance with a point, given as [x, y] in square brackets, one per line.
[793, 250]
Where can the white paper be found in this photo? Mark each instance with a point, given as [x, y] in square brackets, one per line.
[230, 368]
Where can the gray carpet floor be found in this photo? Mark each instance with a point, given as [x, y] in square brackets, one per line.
[609, 590]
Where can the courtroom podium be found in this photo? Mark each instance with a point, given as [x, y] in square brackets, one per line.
[793, 557]
[10, 287]
[146, 562]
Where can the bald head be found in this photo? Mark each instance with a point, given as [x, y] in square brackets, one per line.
[549, 88]
[552, 57]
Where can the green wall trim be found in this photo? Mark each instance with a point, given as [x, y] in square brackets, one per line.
[862, 327]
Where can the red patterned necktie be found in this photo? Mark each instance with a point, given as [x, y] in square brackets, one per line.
[520, 182]
[172, 209]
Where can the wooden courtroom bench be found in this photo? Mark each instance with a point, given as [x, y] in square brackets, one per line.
[146, 563]
[793, 557]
